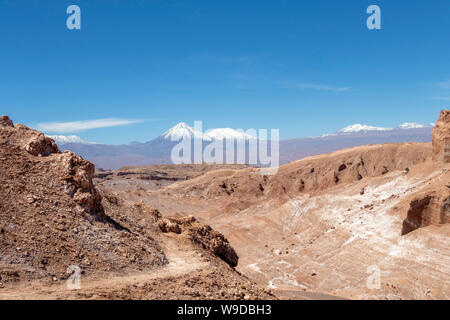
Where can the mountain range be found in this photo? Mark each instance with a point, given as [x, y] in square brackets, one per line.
[158, 150]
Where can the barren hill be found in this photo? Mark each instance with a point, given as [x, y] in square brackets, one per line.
[236, 189]
[52, 217]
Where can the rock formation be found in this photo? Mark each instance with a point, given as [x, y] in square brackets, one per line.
[432, 206]
[6, 122]
[78, 174]
[427, 208]
[34, 142]
[441, 138]
[203, 235]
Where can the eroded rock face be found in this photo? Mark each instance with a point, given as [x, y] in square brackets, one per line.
[6, 122]
[169, 226]
[431, 208]
[32, 141]
[441, 138]
[148, 210]
[41, 145]
[216, 242]
[78, 174]
[203, 235]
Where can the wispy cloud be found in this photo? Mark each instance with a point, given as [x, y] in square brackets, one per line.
[444, 84]
[244, 60]
[443, 98]
[313, 86]
[77, 126]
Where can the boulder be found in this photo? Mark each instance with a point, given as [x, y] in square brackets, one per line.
[170, 226]
[41, 145]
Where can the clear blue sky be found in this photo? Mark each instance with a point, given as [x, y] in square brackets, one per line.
[306, 67]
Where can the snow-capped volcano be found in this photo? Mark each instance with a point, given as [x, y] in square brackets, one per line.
[228, 133]
[354, 128]
[183, 130]
[411, 125]
[70, 139]
[361, 127]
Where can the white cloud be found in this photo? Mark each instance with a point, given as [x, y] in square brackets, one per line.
[246, 60]
[443, 98]
[76, 126]
[313, 86]
[444, 85]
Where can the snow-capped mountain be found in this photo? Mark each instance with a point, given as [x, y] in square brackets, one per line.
[69, 139]
[228, 133]
[354, 128]
[411, 125]
[361, 127]
[183, 130]
[159, 150]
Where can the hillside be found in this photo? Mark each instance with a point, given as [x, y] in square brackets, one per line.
[52, 217]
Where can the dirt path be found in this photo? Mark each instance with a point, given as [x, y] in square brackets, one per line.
[291, 294]
[181, 259]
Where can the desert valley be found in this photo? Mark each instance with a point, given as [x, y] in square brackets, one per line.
[319, 228]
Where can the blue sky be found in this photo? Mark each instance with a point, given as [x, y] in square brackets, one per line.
[306, 67]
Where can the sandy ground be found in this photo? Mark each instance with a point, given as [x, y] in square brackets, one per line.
[181, 262]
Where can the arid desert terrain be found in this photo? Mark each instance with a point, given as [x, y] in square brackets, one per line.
[316, 229]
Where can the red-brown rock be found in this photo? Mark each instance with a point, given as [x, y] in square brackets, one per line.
[441, 137]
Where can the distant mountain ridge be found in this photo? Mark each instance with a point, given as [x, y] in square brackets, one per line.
[361, 127]
[183, 130]
[61, 140]
[158, 150]
[365, 128]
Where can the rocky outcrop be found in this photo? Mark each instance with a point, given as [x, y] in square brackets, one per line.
[41, 145]
[166, 225]
[6, 122]
[32, 141]
[432, 206]
[441, 138]
[203, 235]
[215, 242]
[427, 208]
[78, 174]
